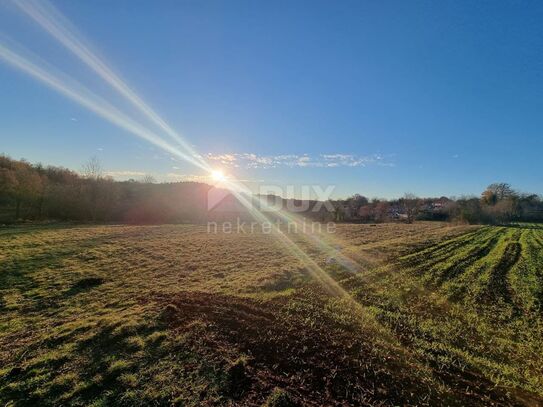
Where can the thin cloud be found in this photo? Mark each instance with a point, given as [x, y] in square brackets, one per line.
[175, 177]
[124, 174]
[164, 177]
[206, 179]
[251, 160]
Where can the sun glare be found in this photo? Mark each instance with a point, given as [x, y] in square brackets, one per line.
[218, 175]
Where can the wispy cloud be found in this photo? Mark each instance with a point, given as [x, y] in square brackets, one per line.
[176, 177]
[125, 174]
[251, 160]
[163, 177]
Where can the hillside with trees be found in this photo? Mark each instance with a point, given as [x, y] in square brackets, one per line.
[35, 192]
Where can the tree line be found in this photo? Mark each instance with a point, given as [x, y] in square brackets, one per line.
[499, 203]
[36, 192]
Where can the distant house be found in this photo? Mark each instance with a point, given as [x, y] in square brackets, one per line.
[395, 212]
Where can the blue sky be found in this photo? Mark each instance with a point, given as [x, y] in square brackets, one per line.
[379, 98]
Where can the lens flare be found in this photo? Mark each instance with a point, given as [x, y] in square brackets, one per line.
[84, 97]
[54, 23]
[57, 26]
[78, 93]
[218, 175]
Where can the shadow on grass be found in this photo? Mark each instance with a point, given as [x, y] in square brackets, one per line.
[18, 272]
[84, 284]
[95, 363]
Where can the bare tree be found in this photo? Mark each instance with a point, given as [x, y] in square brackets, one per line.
[92, 169]
[497, 192]
[411, 205]
[355, 202]
[148, 179]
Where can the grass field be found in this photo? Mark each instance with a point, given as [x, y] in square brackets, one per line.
[160, 315]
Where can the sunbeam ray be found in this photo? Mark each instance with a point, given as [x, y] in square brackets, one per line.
[76, 92]
[53, 22]
[317, 240]
[99, 106]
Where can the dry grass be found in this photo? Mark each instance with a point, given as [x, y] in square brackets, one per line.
[139, 315]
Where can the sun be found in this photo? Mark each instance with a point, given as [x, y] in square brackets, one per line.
[218, 175]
